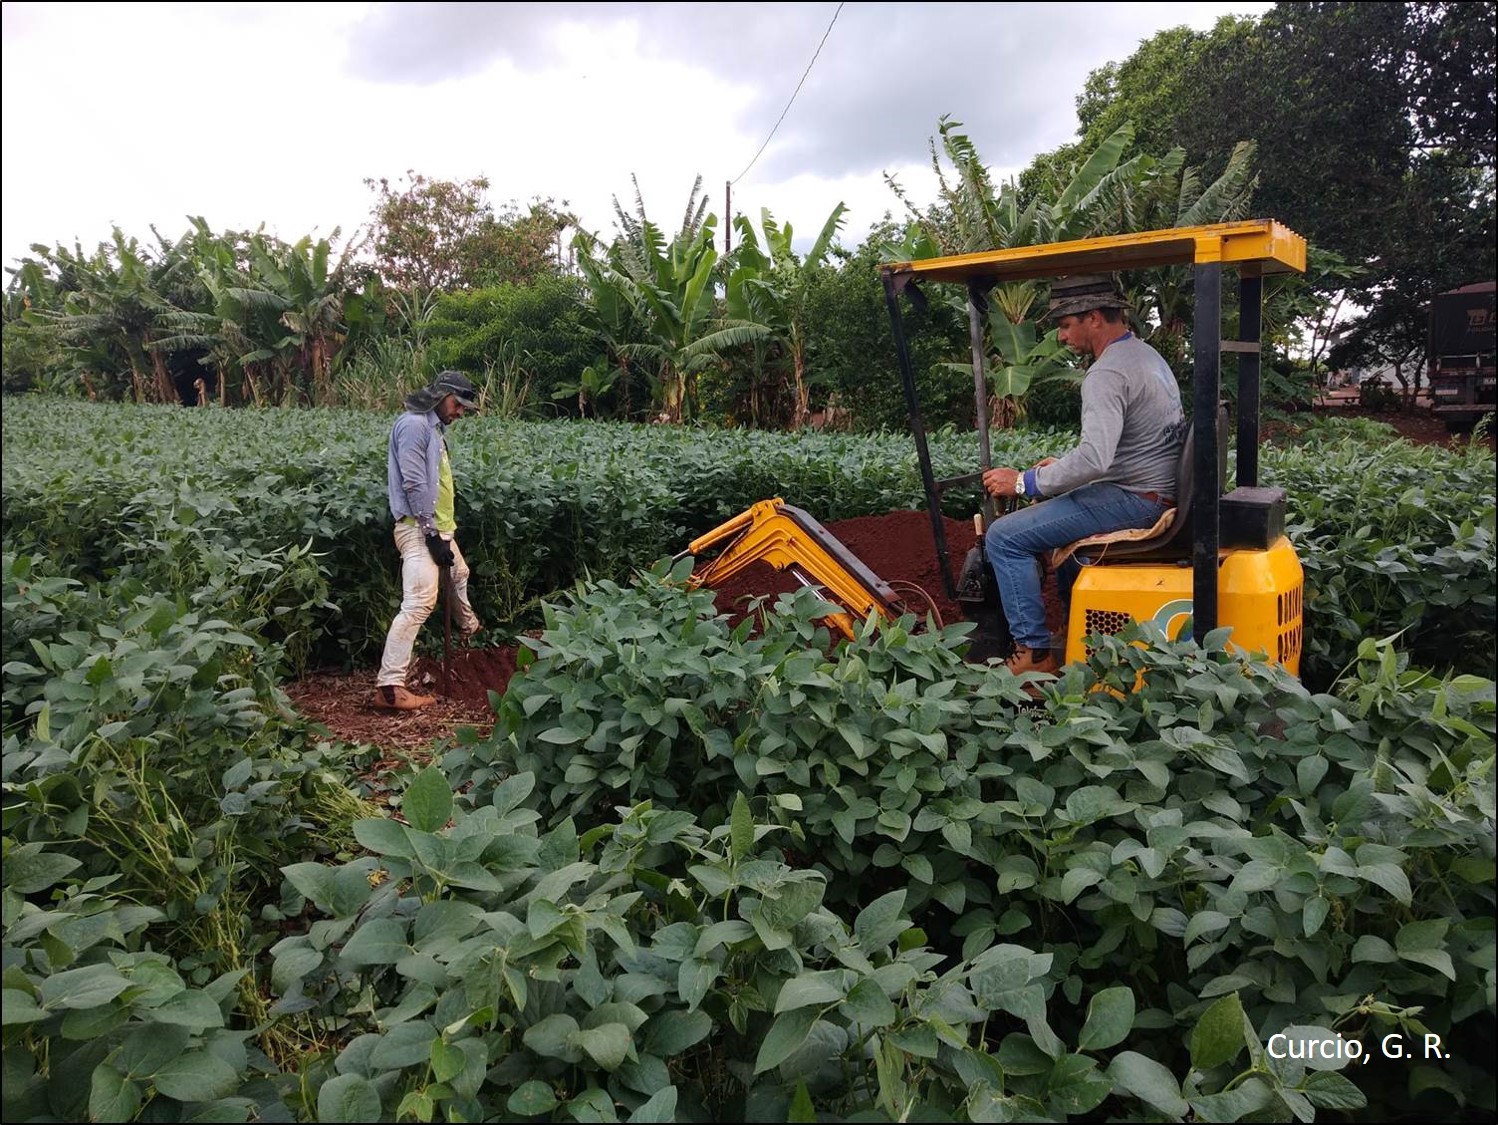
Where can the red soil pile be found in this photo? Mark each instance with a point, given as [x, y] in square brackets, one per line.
[343, 701]
[475, 673]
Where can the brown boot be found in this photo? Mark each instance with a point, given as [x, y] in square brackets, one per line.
[399, 699]
[1032, 660]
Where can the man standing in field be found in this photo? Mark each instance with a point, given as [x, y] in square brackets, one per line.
[421, 501]
[1121, 475]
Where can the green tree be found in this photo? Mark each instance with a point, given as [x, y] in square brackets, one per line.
[852, 352]
[541, 326]
[1102, 194]
[114, 305]
[1451, 78]
[1147, 90]
[756, 371]
[1374, 126]
[32, 352]
[443, 234]
[1390, 166]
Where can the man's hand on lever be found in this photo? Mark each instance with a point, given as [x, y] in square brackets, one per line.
[1003, 482]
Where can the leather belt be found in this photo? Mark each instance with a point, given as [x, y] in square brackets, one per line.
[1169, 502]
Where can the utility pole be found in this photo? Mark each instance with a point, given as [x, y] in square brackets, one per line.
[727, 217]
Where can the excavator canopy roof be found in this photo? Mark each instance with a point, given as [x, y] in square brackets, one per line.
[1255, 247]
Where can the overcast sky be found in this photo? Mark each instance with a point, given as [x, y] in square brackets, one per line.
[141, 114]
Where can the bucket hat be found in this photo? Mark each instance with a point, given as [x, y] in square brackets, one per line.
[1072, 296]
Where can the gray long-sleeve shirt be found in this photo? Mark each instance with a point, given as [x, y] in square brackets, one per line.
[1131, 425]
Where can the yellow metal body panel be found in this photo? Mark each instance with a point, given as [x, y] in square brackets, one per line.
[1256, 246]
[1259, 594]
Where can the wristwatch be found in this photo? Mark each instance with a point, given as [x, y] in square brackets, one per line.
[1019, 484]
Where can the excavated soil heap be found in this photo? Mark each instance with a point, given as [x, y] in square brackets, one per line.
[343, 701]
[897, 546]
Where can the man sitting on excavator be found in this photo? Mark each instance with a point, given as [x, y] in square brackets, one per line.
[1121, 475]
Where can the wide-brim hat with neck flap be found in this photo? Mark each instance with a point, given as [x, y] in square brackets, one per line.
[453, 383]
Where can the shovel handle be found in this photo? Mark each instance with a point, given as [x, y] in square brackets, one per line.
[447, 630]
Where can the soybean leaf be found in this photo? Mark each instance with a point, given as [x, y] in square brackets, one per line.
[879, 923]
[1313, 915]
[741, 829]
[660, 1106]
[787, 1033]
[82, 988]
[348, 1098]
[672, 1031]
[815, 988]
[383, 837]
[607, 1045]
[868, 1006]
[112, 1096]
[1328, 1090]
[381, 941]
[428, 803]
[1233, 1105]
[532, 1099]
[196, 1076]
[1218, 1035]
[29, 869]
[1148, 1081]
[18, 1007]
[552, 1037]
[1110, 1016]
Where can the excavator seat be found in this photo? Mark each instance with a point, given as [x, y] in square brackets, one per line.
[1170, 540]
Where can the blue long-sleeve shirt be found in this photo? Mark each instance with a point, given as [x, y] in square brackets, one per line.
[414, 464]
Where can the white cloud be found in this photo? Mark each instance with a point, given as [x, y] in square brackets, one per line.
[142, 114]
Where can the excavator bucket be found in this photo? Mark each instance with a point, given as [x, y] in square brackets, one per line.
[790, 540]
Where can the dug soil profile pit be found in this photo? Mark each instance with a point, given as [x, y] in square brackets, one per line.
[896, 546]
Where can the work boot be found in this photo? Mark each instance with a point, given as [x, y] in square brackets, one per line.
[1032, 660]
[397, 698]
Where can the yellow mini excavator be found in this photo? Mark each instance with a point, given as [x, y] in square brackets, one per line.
[1221, 558]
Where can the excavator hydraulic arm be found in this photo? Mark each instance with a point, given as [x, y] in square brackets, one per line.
[789, 539]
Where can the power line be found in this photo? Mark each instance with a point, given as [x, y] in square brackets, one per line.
[788, 104]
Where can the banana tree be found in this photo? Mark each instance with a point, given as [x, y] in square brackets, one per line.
[1105, 194]
[1019, 358]
[783, 279]
[112, 311]
[611, 310]
[296, 307]
[314, 310]
[683, 334]
[753, 298]
[592, 383]
[664, 296]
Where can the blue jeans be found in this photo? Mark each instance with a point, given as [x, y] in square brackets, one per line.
[1015, 543]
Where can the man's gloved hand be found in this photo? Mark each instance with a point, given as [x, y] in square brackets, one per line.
[441, 549]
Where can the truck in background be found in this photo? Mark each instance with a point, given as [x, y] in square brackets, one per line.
[1463, 378]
